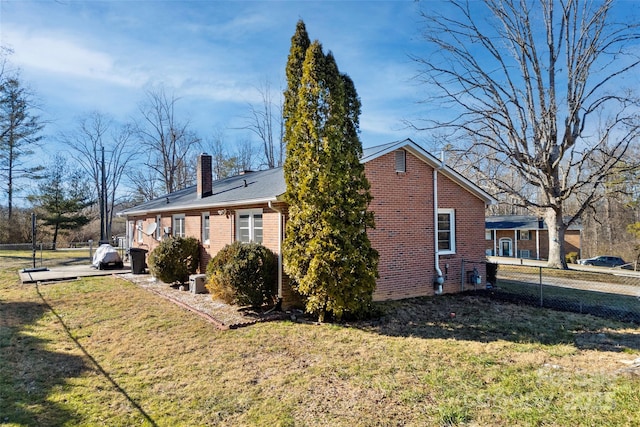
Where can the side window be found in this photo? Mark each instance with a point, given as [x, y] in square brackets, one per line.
[446, 231]
[159, 227]
[206, 228]
[178, 225]
[139, 234]
[249, 228]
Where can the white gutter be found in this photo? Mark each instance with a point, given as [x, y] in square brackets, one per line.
[440, 279]
[280, 216]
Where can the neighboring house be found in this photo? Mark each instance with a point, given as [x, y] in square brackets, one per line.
[419, 204]
[522, 236]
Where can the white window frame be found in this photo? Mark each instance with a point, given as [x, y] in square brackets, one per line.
[158, 227]
[139, 235]
[178, 231]
[524, 235]
[205, 226]
[251, 227]
[452, 231]
[488, 235]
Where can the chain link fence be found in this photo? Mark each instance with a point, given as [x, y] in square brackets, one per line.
[614, 295]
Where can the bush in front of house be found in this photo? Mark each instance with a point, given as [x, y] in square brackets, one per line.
[175, 259]
[243, 274]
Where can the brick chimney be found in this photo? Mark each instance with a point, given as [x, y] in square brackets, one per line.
[204, 176]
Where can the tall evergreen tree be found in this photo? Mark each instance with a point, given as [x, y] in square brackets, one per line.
[326, 250]
[61, 199]
[19, 133]
[299, 44]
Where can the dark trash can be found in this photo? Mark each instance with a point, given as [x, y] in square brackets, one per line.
[138, 262]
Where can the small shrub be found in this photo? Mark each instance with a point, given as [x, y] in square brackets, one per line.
[492, 273]
[175, 259]
[243, 274]
[571, 257]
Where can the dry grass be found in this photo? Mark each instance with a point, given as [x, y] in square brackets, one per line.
[104, 351]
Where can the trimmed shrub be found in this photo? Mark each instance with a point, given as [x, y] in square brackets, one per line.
[571, 258]
[492, 273]
[175, 259]
[243, 274]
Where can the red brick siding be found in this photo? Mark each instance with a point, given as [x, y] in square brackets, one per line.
[403, 207]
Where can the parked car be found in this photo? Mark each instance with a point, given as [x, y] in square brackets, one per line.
[605, 261]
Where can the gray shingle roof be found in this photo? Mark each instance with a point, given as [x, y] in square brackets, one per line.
[268, 185]
[249, 188]
[518, 222]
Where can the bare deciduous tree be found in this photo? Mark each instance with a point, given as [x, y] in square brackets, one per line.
[536, 89]
[266, 123]
[95, 139]
[169, 144]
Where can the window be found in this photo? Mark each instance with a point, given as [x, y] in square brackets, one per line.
[446, 231]
[139, 230]
[401, 161]
[205, 228]
[488, 235]
[178, 226]
[249, 228]
[524, 253]
[524, 234]
[159, 227]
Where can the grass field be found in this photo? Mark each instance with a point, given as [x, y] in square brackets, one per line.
[103, 351]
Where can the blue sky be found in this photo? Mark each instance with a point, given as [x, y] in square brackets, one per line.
[80, 56]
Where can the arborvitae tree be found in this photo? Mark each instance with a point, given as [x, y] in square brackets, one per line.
[299, 44]
[61, 199]
[327, 251]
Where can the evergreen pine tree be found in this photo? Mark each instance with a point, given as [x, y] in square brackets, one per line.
[61, 199]
[326, 250]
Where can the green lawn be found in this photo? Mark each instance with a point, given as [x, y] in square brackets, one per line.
[102, 351]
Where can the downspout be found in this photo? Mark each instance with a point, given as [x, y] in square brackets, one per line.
[439, 279]
[280, 215]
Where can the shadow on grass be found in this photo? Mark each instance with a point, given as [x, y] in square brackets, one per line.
[95, 362]
[479, 318]
[28, 371]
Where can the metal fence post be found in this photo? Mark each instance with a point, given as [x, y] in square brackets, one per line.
[541, 298]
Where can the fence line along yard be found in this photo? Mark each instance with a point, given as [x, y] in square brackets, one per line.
[614, 294]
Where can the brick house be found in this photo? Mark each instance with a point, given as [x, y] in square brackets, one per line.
[522, 236]
[407, 183]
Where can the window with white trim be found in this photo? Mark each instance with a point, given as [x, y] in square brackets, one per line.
[140, 236]
[159, 227]
[524, 234]
[446, 231]
[249, 226]
[178, 225]
[206, 228]
[524, 253]
[488, 235]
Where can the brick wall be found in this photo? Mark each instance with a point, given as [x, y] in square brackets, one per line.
[404, 234]
[403, 207]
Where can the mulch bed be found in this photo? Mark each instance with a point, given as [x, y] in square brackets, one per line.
[219, 313]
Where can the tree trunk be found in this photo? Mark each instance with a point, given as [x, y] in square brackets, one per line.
[557, 228]
[55, 237]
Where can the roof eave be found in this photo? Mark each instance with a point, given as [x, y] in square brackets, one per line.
[177, 207]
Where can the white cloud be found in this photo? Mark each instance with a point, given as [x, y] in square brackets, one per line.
[58, 53]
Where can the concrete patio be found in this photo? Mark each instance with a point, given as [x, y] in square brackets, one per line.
[57, 273]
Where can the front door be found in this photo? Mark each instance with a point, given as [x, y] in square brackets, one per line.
[505, 247]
